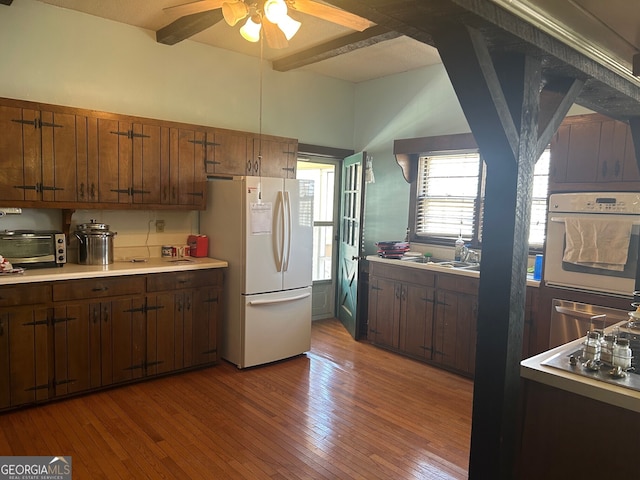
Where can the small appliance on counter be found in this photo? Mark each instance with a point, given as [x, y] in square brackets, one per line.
[198, 245]
[95, 243]
[34, 248]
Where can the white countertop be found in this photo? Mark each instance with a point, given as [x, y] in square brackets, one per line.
[437, 268]
[532, 369]
[74, 271]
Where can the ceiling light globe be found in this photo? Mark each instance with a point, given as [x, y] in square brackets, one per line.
[289, 26]
[275, 10]
[251, 30]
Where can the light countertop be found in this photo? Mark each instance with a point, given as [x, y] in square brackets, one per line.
[532, 369]
[74, 271]
[438, 268]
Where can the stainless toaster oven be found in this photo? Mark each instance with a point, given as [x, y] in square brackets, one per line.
[34, 248]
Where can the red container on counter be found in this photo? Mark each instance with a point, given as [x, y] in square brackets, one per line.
[198, 245]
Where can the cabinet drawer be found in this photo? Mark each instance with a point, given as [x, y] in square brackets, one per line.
[404, 274]
[458, 283]
[158, 282]
[98, 287]
[25, 294]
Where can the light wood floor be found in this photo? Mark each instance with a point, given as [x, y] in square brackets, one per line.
[344, 410]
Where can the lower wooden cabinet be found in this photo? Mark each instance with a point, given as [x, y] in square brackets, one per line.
[429, 316]
[80, 338]
[25, 355]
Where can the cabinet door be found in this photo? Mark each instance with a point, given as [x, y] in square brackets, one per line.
[229, 154]
[416, 321]
[384, 297]
[205, 318]
[100, 359]
[161, 334]
[277, 158]
[104, 146]
[455, 330]
[72, 367]
[86, 160]
[147, 163]
[189, 185]
[58, 136]
[5, 384]
[611, 154]
[11, 154]
[127, 339]
[28, 355]
[631, 172]
[584, 149]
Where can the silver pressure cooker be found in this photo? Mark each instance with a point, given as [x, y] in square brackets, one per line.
[95, 243]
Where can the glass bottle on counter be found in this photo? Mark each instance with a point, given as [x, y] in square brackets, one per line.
[606, 348]
[622, 354]
[591, 347]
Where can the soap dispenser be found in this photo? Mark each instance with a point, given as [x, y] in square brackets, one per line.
[459, 249]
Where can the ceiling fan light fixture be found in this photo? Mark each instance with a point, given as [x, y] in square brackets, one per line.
[289, 26]
[250, 31]
[233, 12]
[275, 10]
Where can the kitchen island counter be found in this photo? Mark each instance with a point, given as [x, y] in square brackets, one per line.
[72, 271]
[534, 369]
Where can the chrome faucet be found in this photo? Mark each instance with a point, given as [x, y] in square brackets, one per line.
[470, 256]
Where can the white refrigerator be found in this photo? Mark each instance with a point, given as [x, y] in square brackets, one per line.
[263, 227]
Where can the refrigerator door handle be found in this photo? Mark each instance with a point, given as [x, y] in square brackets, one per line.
[287, 211]
[278, 238]
[279, 300]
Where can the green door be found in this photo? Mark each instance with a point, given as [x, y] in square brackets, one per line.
[350, 251]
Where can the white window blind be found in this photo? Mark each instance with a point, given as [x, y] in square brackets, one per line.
[449, 201]
[447, 192]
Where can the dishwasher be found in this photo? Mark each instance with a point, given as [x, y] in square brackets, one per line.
[572, 320]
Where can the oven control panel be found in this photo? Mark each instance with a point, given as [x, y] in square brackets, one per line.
[621, 203]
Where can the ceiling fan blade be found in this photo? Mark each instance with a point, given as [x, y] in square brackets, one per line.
[194, 7]
[274, 36]
[331, 14]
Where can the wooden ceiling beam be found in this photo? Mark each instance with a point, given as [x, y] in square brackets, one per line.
[187, 26]
[333, 48]
[6, 2]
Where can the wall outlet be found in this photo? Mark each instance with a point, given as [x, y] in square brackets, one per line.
[159, 226]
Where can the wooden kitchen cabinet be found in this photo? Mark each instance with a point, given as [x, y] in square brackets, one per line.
[591, 153]
[24, 344]
[401, 309]
[454, 332]
[123, 162]
[279, 157]
[38, 152]
[227, 153]
[25, 355]
[71, 344]
[187, 182]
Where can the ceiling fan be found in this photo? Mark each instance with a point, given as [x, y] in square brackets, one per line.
[270, 17]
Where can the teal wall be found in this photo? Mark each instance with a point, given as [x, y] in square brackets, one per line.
[413, 104]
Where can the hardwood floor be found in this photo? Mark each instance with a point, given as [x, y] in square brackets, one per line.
[345, 410]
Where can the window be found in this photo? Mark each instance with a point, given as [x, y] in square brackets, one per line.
[449, 198]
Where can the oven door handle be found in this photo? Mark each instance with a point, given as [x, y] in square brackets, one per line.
[578, 313]
[562, 220]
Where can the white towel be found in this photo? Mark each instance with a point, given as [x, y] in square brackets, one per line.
[597, 243]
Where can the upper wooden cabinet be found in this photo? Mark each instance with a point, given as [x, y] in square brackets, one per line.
[62, 157]
[593, 152]
[37, 155]
[273, 157]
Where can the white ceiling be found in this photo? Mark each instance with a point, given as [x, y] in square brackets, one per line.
[593, 26]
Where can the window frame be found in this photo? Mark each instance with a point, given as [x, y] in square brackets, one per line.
[474, 242]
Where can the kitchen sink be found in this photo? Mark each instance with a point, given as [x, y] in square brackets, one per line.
[461, 265]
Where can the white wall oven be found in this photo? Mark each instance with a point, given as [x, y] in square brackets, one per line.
[592, 242]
